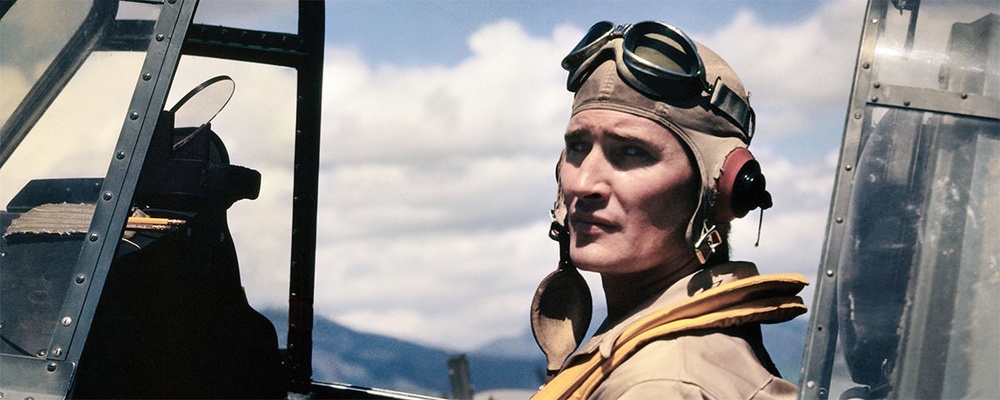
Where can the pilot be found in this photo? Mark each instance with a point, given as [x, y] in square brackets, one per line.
[654, 169]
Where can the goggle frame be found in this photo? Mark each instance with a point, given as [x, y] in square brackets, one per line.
[650, 78]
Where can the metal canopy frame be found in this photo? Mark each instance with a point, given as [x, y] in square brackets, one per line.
[866, 93]
[176, 35]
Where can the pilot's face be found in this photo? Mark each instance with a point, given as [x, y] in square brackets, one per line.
[630, 190]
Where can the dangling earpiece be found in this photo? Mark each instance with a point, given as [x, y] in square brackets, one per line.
[562, 307]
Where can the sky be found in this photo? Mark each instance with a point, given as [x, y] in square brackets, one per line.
[442, 123]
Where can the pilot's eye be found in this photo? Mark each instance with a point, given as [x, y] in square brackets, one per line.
[576, 147]
[635, 151]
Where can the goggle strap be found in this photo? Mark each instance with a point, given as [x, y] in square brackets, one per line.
[738, 110]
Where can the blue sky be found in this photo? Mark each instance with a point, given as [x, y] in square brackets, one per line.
[409, 33]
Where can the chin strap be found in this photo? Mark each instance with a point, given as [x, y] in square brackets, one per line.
[709, 240]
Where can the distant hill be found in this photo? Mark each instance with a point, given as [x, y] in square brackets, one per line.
[343, 355]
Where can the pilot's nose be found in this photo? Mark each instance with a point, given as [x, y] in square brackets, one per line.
[586, 180]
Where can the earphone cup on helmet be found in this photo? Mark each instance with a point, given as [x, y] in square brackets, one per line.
[741, 187]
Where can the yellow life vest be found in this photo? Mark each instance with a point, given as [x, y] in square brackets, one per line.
[761, 298]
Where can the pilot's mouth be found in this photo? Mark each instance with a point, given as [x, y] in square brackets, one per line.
[590, 224]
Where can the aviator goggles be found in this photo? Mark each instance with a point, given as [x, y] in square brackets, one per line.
[658, 60]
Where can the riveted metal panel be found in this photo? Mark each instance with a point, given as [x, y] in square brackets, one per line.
[119, 184]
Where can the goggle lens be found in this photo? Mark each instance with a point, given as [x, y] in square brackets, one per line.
[665, 53]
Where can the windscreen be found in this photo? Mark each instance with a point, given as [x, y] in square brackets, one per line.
[918, 293]
[67, 74]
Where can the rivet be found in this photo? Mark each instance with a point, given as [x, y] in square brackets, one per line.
[94, 237]
[147, 76]
[821, 393]
[41, 353]
[51, 367]
[848, 167]
[965, 96]
[906, 103]
[108, 196]
[857, 115]
[810, 384]
[81, 278]
[866, 65]
[120, 155]
[3, 254]
[160, 37]
[874, 20]
[134, 115]
[874, 99]
[67, 321]
[57, 351]
[829, 272]
[840, 220]
[877, 85]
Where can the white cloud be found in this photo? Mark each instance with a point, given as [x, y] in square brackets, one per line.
[455, 289]
[78, 121]
[794, 72]
[436, 187]
[505, 98]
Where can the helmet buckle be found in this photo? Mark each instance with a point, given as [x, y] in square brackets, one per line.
[705, 246]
